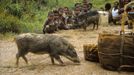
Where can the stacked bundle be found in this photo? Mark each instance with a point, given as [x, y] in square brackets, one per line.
[91, 52]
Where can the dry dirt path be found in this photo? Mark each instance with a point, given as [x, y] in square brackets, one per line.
[41, 64]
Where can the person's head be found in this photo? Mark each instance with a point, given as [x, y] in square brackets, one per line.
[85, 8]
[77, 10]
[60, 10]
[107, 6]
[66, 9]
[116, 3]
[50, 15]
[56, 14]
[77, 5]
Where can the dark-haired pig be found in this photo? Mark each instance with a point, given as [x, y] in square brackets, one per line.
[45, 43]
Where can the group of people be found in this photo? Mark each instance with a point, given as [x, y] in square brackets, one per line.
[65, 18]
[118, 9]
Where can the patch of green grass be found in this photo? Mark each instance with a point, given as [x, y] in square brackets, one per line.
[35, 23]
[7, 36]
[68, 3]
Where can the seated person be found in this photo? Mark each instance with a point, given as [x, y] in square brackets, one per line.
[59, 21]
[49, 26]
[76, 13]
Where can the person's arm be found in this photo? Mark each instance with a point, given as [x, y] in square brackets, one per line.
[46, 23]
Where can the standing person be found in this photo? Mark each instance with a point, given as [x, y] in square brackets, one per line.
[115, 14]
[108, 9]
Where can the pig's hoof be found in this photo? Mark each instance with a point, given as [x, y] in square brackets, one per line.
[62, 64]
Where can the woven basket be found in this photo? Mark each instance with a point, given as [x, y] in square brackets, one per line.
[116, 51]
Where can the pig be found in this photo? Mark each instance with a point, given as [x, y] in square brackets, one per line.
[90, 17]
[93, 20]
[50, 44]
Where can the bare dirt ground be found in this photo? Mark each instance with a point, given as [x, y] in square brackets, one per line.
[41, 64]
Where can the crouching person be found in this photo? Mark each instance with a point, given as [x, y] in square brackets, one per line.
[49, 26]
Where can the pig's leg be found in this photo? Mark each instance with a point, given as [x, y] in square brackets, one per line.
[97, 25]
[93, 26]
[17, 58]
[54, 53]
[25, 59]
[21, 53]
[57, 57]
[52, 59]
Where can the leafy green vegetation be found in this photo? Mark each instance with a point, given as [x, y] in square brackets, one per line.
[9, 23]
[30, 15]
